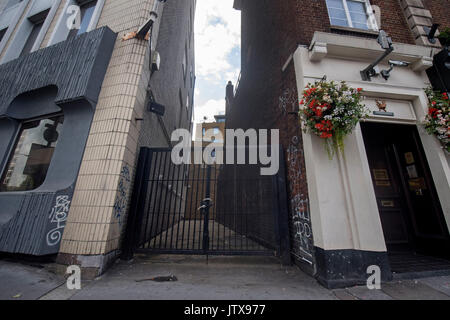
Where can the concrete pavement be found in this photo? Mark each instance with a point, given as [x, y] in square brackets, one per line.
[228, 278]
[25, 281]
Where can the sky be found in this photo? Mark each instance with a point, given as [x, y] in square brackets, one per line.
[217, 55]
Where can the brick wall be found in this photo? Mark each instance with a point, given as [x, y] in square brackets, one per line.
[170, 86]
[100, 205]
[440, 10]
[267, 96]
[98, 210]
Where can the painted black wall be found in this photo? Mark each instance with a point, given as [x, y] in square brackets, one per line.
[65, 77]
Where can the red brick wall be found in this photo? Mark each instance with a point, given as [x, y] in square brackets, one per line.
[393, 21]
[440, 10]
[267, 97]
[312, 16]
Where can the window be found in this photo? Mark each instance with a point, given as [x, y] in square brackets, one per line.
[180, 96]
[2, 33]
[86, 12]
[32, 38]
[192, 77]
[37, 22]
[351, 13]
[185, 64]
[204, 131]
[33, 153]
[12, 3]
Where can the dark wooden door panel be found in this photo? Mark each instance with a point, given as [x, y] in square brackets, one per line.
[409, 208]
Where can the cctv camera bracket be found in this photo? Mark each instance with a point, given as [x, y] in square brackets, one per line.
[372, 70]
[147, 26]
[431, 32]
[144, 31]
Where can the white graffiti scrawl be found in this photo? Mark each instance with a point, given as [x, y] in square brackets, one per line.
[120, 205]
[58, 216]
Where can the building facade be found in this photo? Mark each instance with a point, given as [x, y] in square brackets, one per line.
[211, 131]
[83, 85]
[388, 195]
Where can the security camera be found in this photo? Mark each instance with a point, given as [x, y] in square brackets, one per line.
[384, 40]
[145, 28]
[393, 63]
[398, 63]
[371, 71]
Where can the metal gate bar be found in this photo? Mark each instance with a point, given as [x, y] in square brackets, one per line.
[199, 209]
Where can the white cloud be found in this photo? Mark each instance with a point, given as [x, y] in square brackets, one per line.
[233, 75]
[209, 110]
[217, 33]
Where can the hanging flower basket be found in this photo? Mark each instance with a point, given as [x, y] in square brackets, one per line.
[437, 121]
[331, 111]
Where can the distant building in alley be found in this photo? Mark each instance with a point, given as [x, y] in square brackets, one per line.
[208, 132]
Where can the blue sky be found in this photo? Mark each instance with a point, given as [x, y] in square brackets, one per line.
[218, 52]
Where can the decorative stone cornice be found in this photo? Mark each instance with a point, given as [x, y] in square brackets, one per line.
[350, 47]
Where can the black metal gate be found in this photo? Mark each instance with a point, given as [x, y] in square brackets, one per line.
[206, 209]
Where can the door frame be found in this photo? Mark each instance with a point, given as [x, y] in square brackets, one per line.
[416, 239]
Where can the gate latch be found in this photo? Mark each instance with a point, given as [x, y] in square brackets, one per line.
[206, 204]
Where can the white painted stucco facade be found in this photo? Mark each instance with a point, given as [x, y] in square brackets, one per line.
[344, 211]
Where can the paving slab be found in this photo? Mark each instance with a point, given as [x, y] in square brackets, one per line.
[26, 282]
[228, 278]
[364, 293]
[412, 290]
[441, 284]
[343, 294]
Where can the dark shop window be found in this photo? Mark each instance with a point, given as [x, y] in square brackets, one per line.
[37, 21]
[32, 155]
[32, 38]
[2, 34]
[86, 11]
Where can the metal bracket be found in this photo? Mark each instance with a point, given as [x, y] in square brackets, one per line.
[431, 32]
[371, 70]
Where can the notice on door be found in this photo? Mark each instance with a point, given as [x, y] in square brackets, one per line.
[417, 184]
[412, 172]
[381, 177]
[409, 157]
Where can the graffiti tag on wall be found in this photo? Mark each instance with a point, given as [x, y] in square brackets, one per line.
[302, 227]
[120, 205]
[293, 159]
[301, 222]
[288, 102]
[58, 217]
